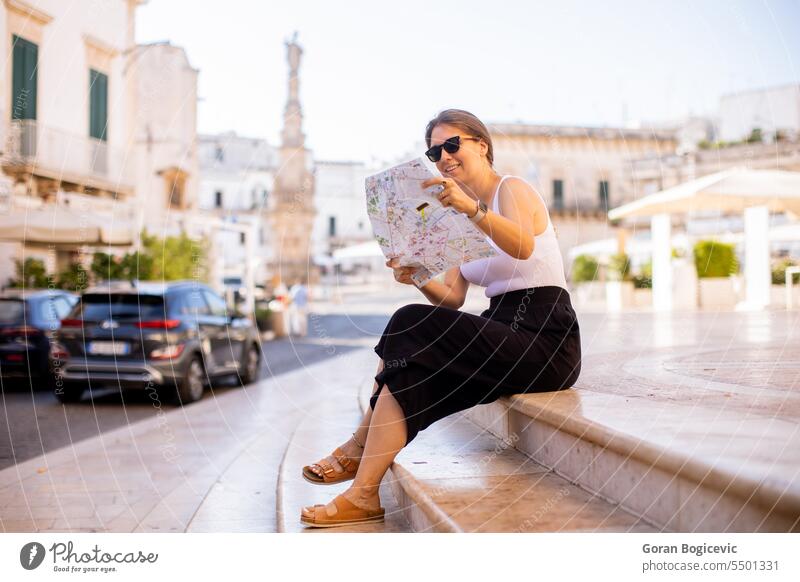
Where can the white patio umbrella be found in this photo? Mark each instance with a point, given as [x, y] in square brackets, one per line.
[756, 193]
[728, 191]
[365, 250]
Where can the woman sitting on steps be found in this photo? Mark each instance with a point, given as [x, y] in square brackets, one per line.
[437, 360]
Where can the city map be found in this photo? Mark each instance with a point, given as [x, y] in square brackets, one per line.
[409, 223]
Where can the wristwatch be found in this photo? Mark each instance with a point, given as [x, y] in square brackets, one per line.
[481, 212]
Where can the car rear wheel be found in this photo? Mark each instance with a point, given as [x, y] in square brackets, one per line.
[68, 392]
[252, 362]
[190, 387]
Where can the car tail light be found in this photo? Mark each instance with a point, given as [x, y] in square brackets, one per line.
[71, 323]
[158, 324]
[168, 352]
[24, 330]
[14, 357]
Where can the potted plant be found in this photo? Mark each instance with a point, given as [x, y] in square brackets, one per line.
[643, 285]
[778, 290]
[619, 286]
[263, 317]
[589, 292]
[716, 263]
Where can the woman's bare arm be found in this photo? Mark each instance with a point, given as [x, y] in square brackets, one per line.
[451, 293]
[513, 229]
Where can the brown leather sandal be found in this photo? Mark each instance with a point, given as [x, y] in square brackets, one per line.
[329, 475]
[345, 513]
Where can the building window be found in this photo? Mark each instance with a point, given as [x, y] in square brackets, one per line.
[219, 153]
[331, 226]
[176, 198]
[558, 194]
[175, 185]
[603, 194]
[241, 238]
[218, 199]
[360, 225]
[98, 105]
[24, 79]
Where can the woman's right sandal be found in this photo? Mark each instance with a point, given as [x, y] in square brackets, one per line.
[343, 512]
[326, 474]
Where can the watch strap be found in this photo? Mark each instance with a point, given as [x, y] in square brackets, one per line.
[482, 210]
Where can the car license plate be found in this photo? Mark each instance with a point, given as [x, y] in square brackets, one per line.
[109, 348]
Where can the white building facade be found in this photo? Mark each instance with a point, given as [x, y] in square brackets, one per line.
[340, 201]
[237, 175]
[165, 136]
[773, 110]
[67, 125]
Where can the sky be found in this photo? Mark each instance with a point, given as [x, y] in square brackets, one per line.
[373, 73]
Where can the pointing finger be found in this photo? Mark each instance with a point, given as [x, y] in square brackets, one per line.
[433, 182]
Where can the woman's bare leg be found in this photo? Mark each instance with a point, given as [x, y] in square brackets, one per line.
[350, 448]
[363, 428]
[386, 437]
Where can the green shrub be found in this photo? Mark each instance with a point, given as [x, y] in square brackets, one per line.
[174, 257]
[263, 318]
[619, 267]
[137, 265]
[755, 136]
[584, 268]
[644, 278]
[106, 267]
[779, 272]
[74, 278]
[130, 266]
[30, 274]
[715, 259]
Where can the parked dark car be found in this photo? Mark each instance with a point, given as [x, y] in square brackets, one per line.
[28, 320]
[141, 335]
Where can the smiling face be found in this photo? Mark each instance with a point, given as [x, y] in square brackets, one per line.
[470, 159]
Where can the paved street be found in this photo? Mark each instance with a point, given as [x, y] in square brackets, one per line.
[34, 422]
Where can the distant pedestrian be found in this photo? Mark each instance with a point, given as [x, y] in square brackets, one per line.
[298, 312]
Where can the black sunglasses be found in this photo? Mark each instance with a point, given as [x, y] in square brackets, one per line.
[450, 145]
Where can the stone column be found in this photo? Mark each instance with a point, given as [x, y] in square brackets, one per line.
[249, 278]
[661, 236]
[756, 257]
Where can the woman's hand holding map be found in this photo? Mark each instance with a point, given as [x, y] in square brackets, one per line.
[452, 195]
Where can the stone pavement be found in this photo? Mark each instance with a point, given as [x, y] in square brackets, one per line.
[211, 466]
[231, 462]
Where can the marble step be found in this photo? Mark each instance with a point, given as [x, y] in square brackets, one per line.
[456, 477]
[679, 463]
[325, 426]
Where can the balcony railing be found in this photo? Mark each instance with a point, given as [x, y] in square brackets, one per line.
[30, 146]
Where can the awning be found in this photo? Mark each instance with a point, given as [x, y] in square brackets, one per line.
[57, 224]
[366, 250]
[634, 247]
[728, 191]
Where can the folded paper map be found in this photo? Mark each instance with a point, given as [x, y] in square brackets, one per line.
[410, 223]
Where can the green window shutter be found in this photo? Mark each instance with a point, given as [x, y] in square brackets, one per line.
[558, 194]
[603, 192]
[98, 105]
[24, 77]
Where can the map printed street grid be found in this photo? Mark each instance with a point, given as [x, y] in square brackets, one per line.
[410, 223]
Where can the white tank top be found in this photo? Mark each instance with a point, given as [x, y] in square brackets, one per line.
[504, 273]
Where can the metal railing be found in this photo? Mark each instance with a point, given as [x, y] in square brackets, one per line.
[58, 154]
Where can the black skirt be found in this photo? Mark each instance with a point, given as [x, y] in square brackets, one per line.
[438, 360]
